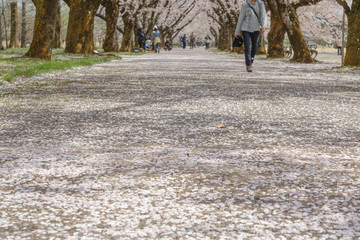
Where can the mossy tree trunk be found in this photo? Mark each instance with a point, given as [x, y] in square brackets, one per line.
[290, 20]
[221, 39]
[1, 36]
[225, 37]
[43, 29]
[215, 34]
[112, 14]
[80, 31]
[14, 33]
[23, 24]
[136, 38]
[5, 26]
[128, 33]
[57, 36]
[352, 57]
[277, 32]
[226, 32]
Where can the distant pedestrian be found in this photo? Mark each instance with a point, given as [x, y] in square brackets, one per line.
[192, 40]
[156, 39]
[339, 47]
[184, 39]
[141, 38]
[168, 45]
[207, 42]
[252, 20]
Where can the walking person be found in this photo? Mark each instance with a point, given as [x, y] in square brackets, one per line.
[339, 47]
[184, 41]
[141, 38]
[156, 39]
[252, 20]
[207, 42]
[192, 40]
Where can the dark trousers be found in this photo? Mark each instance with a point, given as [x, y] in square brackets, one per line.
[250, 40]
[184, 45]
[339, 50]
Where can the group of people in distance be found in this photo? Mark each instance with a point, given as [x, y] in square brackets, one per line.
[155, 41]
[194, 41]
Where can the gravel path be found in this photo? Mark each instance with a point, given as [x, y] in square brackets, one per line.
[130, 150]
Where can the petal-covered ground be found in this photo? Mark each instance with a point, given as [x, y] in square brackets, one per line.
[130, 150]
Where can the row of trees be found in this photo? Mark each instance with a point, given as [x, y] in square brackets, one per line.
[121, 16]
[284, 20]
[11, 23]
[171, 17]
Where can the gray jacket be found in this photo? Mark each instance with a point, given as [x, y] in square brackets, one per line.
[155, 34]
[247, 18]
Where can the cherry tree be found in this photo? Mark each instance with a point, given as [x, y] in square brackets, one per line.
[289, 18]
[112, 12]
[43, 29]
[224, 15]
[277, 32]
[177, 16]
[14, 40]
[283, 19]
[170, 16]
[352, 57]
[57, 35]
[80, 31]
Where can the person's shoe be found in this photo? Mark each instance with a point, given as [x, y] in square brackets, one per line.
[249, 68]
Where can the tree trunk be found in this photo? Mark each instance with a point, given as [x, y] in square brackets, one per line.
[230, 35]
[136, 38]
[277, 32]
[23, 25]
[57, 35]
[80, 31]
[127, 36]
[5, 28]
[1, 36]
[215, 35]
[112, 14]
[352, 57]
[14, 40]
[261, 45]
[43, 29]
[223, 38]
[291, 24]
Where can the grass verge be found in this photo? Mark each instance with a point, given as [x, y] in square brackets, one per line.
[49, 66]
[13, 64]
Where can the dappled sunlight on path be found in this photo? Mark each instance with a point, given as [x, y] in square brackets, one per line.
[130, 150]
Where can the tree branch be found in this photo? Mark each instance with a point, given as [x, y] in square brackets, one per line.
[344, 4]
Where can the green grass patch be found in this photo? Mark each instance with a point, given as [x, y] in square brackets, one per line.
[49, 66]
[13, 64]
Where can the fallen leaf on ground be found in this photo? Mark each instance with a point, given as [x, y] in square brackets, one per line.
[220, 125]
